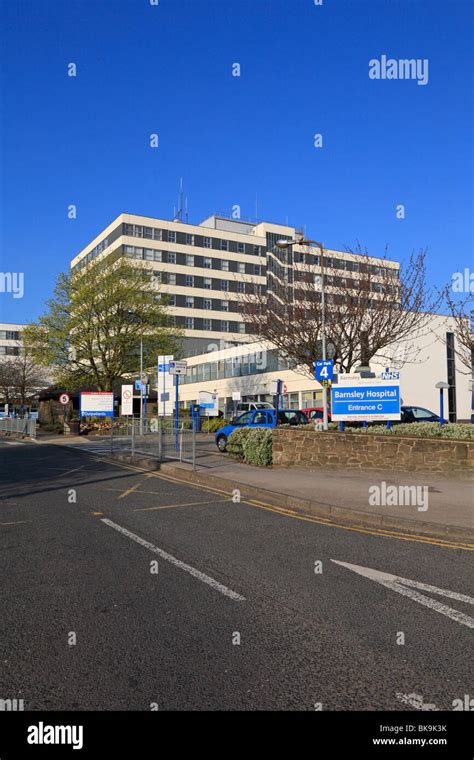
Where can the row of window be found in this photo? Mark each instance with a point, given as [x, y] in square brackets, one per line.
[346, 264]
[207, 283]
[241, 366]
[223, 325]
[9, 351]
[10, 335]
[172, 236]
[170, 257]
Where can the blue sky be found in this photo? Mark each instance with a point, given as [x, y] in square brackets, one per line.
[143, 69]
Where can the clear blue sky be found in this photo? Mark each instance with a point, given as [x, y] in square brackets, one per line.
[167, 69]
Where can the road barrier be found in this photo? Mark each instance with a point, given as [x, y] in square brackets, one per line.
[18, 426]
[156, 437]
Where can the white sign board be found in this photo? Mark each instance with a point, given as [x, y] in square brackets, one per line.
[97, 404]
[127, 400]
[208, 404]
[64, 398]
[165, 386]
[178, 368]
[236, 396]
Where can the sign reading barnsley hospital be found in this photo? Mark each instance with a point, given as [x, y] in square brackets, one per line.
[362, 398]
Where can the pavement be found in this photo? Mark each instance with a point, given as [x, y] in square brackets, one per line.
[124, 589]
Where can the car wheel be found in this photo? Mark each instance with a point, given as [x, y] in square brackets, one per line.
[222, 443]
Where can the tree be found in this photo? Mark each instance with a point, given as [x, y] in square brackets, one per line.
[462, 311]
[95, 321]
[367, 311]
[21, 379]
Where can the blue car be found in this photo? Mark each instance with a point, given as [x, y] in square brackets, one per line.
[266, 418]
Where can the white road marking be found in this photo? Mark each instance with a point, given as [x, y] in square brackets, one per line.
[12, 443]
[416, 700]
[396, 583]
[177, 562]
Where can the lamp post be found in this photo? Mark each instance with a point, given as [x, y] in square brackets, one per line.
[302, 241]
[441, 385]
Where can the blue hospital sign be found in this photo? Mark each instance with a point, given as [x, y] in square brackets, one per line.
[366, 399]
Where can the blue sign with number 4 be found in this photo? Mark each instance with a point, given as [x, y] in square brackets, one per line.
[324, 370]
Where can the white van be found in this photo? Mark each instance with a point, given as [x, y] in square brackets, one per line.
[249, 406]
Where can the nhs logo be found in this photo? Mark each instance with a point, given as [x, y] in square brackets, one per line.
[390, 375]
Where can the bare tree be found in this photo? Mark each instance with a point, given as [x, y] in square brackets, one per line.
[21, 379]
[462, 311]
[371, 304]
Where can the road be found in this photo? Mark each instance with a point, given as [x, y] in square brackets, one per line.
[236, 616]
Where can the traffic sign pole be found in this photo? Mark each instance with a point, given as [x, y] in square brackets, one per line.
[176, 411]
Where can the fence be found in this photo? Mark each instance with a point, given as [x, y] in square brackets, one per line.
[159, 437]
[22, 426]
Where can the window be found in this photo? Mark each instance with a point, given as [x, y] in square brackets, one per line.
[224, 265]
[138, 253]
[207, 242]
[137, 231]
[245, 419]
[152, 255]
[256, 250]
[207, 263]
[207, 303]
[157, 234]
[257, 270]
[189, 261]
[171, 257]
[241, 327]
[241, 287]
[129, 249]
[189, 323]
[260, 419]
[240, 247]
[225, 325]
[171, 236]
[241, 268]
[224, 305]
[128, 230]
[224, 284]
[207, 283]
[190, 302]
[206, 324]
[224, 245]
[170, 300]
[148, 233]
[171, 278]
[189, 239]
[189, 281]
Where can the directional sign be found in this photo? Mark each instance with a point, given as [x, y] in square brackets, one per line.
[407, 587]
[365, 399]
[97, 404]
[64, 398]
[178, 368]
[324, 370]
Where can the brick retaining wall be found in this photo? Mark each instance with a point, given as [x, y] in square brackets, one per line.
[309, 449]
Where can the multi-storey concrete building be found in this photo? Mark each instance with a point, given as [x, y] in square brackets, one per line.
[206, 269]
[10, 339]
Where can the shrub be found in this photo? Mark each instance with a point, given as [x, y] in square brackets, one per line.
[454, 430]
[213, 424]
[252, 446]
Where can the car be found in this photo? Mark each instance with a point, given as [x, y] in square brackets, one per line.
[417, 414]
[247, 406]
[316, 413]
[266, 418]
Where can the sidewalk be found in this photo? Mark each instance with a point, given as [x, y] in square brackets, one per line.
[342, 495]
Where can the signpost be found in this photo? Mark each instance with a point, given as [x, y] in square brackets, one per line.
[96, 404]
[127, 400]
[164, 383]
[365, 399]
[64, 400]
[177, 369]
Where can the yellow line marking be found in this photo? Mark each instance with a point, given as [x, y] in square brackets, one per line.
[175, 506]
[130, 490]
[379, 532]
[96, 514]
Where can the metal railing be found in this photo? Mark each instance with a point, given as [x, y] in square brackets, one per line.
[158, 437]
[20, 426]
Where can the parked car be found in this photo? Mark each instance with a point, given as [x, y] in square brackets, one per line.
[315, 413]
[417, 414]
[248, 406]
[267, 418]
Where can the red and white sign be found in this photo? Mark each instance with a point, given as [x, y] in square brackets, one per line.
[127, 400]
[64, 398]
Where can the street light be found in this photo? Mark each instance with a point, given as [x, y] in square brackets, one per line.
[441, 386]
[302, 241]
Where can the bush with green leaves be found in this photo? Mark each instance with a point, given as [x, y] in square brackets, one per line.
[252, 446]
[453, 431]
[213, 424]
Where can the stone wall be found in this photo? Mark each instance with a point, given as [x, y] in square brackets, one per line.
[309, 450]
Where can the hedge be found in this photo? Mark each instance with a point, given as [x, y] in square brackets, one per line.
[213, 424]
[454, 430]
[252, 446]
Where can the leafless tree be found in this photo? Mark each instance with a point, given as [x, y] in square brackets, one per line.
[371, 304]
[21, 379]
[462, 311]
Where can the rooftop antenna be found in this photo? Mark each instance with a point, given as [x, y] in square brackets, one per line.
[186, 207]
[180, 209]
